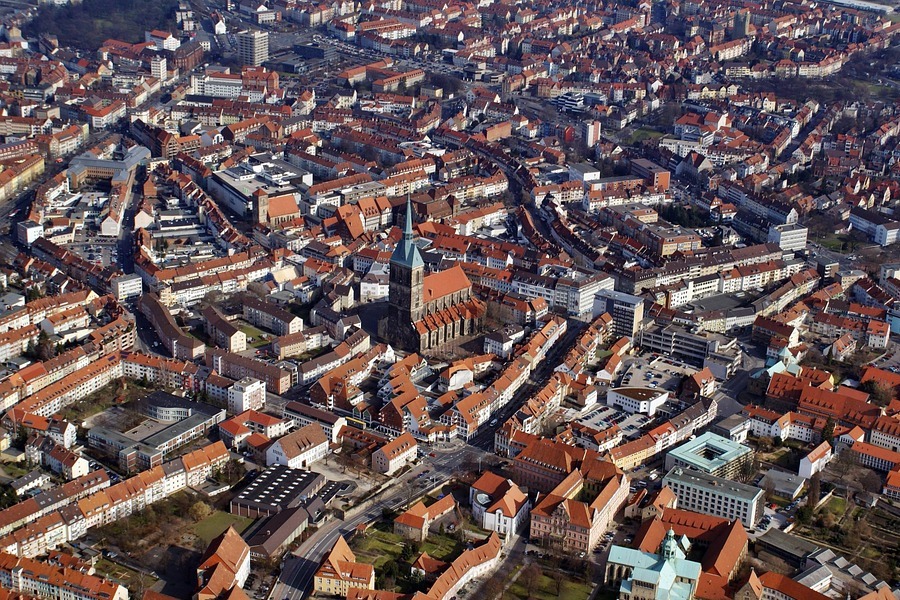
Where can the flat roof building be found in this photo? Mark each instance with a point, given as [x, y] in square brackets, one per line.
[712, 454]
[276, 489]
[711, 495]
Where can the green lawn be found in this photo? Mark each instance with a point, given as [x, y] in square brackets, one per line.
[377, 547]
[546, 590]
[836, 505]
[380, 544]
[216, 523]
[442, 547]
[252, 332]
[128, 577]
[642, 134]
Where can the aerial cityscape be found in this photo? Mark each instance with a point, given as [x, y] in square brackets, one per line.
[440, 299]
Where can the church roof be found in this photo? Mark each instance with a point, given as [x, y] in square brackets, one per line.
[443, 283]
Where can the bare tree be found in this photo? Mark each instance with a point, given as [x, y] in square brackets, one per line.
[530, 577]
[815, 490]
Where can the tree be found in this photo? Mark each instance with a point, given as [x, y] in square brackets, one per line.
[879, 393]
[842, 464]
[871, 482]
[770, 490]
[558, 579]
[530, 577]
[815, 491]
[828, 430]
[748, 469]
[199, 510]
[804, 514]
[493, 587]
[410, 549]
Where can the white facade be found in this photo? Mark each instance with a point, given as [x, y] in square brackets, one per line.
[815, 461]
[790, 237]
[276, 455]
[716, 496]
[497, 520]
[127, 286]
[246, 394]
[637, 400]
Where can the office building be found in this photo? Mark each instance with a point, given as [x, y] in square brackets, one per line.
[253, 47]
[637, 400]
[627, 311]
[711, 495]
[719, 353]
[790, 237]
[711, 454]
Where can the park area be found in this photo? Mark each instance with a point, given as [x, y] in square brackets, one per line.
[380, 545]
[538, 583]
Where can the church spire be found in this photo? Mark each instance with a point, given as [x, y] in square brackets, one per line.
[407, 226]
[407, 253]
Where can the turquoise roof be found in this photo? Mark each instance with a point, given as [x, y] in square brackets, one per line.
[674, 578]
[407, 253]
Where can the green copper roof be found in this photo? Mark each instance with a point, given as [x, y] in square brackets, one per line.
[406, 253]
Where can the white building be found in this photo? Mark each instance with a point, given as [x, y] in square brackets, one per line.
[498, 504]
[815, 461]
[637, 400]
[246, 394]
[299, 449]
[789, 237]
[711, 495]
[29, 232]
[126, 287]
[162, 39]
[158, 68]
[303, 414]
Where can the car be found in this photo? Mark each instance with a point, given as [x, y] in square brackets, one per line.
[432, 454]
[494, 422]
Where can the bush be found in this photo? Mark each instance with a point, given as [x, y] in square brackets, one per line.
[200, 510]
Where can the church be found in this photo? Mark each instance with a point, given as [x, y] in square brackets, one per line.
[426, 312]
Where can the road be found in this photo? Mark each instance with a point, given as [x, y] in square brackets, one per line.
[299, 568]
[484, 439]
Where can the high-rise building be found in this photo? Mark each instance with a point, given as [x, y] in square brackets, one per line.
[589, 131]
[627, 311]
[253, 47]
[158, 67]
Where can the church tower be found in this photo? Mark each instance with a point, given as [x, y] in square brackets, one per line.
[405, 289]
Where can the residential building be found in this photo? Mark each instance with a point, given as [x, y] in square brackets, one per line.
[627, 311]
[246, 394]
[339, 572]
[253, 47]
[395, 455]
[415, 522]
[299, 449]
[225, 565]
[303, 414]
